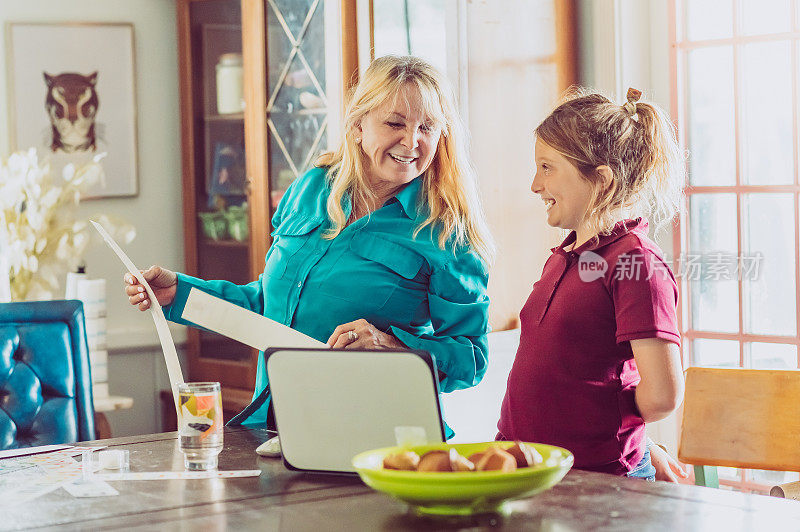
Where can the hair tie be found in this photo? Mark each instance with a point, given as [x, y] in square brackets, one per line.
[632, 97]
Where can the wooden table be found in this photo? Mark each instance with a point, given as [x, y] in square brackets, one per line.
[284, 500]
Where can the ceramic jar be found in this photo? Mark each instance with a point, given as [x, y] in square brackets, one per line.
[230, 96]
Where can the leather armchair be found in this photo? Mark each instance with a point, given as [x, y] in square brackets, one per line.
[45, 379]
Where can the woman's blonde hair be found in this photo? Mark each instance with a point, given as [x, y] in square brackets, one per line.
[635, 140]
[449, 184]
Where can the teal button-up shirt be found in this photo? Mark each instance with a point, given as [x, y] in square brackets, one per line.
[429, 298]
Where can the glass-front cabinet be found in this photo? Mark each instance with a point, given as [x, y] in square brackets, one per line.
[297, 81]
[260, 85]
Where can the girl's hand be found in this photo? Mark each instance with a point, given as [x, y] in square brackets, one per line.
[163, 282]
[666, 466]
[361, 334]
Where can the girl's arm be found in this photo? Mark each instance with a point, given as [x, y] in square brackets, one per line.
[661, 389]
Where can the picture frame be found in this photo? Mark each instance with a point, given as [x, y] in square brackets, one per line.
[72, 95]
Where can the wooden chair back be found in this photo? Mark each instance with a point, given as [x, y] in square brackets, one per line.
[741, 418]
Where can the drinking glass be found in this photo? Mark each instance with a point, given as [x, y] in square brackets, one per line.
[200, 424]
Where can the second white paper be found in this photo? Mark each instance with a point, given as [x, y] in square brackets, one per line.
[242, 325]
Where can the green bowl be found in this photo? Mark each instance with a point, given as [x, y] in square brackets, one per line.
[464, 493]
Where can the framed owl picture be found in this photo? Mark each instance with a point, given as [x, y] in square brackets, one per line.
[72, 95]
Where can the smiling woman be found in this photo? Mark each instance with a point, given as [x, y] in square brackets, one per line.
[382, 245]
[399, 141]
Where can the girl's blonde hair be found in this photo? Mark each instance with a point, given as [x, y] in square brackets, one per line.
[449, 186]
[636, 140]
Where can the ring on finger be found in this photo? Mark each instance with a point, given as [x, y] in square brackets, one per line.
[352, 336]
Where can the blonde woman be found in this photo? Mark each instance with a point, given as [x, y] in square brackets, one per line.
[383, 244]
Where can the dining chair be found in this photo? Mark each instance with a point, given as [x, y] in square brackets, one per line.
[45, 379]
[746, 418]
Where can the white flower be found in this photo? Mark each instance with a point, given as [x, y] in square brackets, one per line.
[63, 247]
[39, 236]
[51, 198]
[69, 172]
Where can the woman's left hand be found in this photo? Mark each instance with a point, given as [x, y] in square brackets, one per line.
[361, 334]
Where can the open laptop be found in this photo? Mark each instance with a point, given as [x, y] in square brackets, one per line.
[331, 404]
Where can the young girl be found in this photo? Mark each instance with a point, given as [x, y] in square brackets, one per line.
[599, 350]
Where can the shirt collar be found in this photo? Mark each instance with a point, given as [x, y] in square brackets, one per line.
[408, 198]
[620, 229]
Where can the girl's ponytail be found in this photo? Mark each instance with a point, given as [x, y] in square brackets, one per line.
[661, 174]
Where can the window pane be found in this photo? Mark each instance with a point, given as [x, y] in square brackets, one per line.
[771, 478]
[417, 28]
[772, 356]
[712, 251]
[391, 36]
[712, 147]
[708, 19]
[715, 353]
[766, 16]
[767, 264]
[428, 31]
[767, 120]
[728, 473]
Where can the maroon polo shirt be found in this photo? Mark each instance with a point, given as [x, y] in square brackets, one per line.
[574, 376]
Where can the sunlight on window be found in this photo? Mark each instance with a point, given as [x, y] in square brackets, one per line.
[417, 28]
[714, 297]
[709, 19]
[768, 235]
[765, 16]
[767, 118]
[715, 353]
[764, 355]
[712, 135]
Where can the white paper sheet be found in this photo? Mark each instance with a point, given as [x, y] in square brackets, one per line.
[37, 475]
[83, 488]
[242, 325]
[164, 335]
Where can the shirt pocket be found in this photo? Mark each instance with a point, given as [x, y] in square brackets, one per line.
[380, 268]
[290, 243]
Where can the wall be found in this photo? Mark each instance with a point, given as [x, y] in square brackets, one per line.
[512, 84]
[626, 43]
[473, 413]
[135, 365]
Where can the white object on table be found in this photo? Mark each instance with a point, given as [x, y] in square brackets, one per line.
[118, 459]
[270, 448]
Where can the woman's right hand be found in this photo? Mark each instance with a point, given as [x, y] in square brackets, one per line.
[163, 282]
